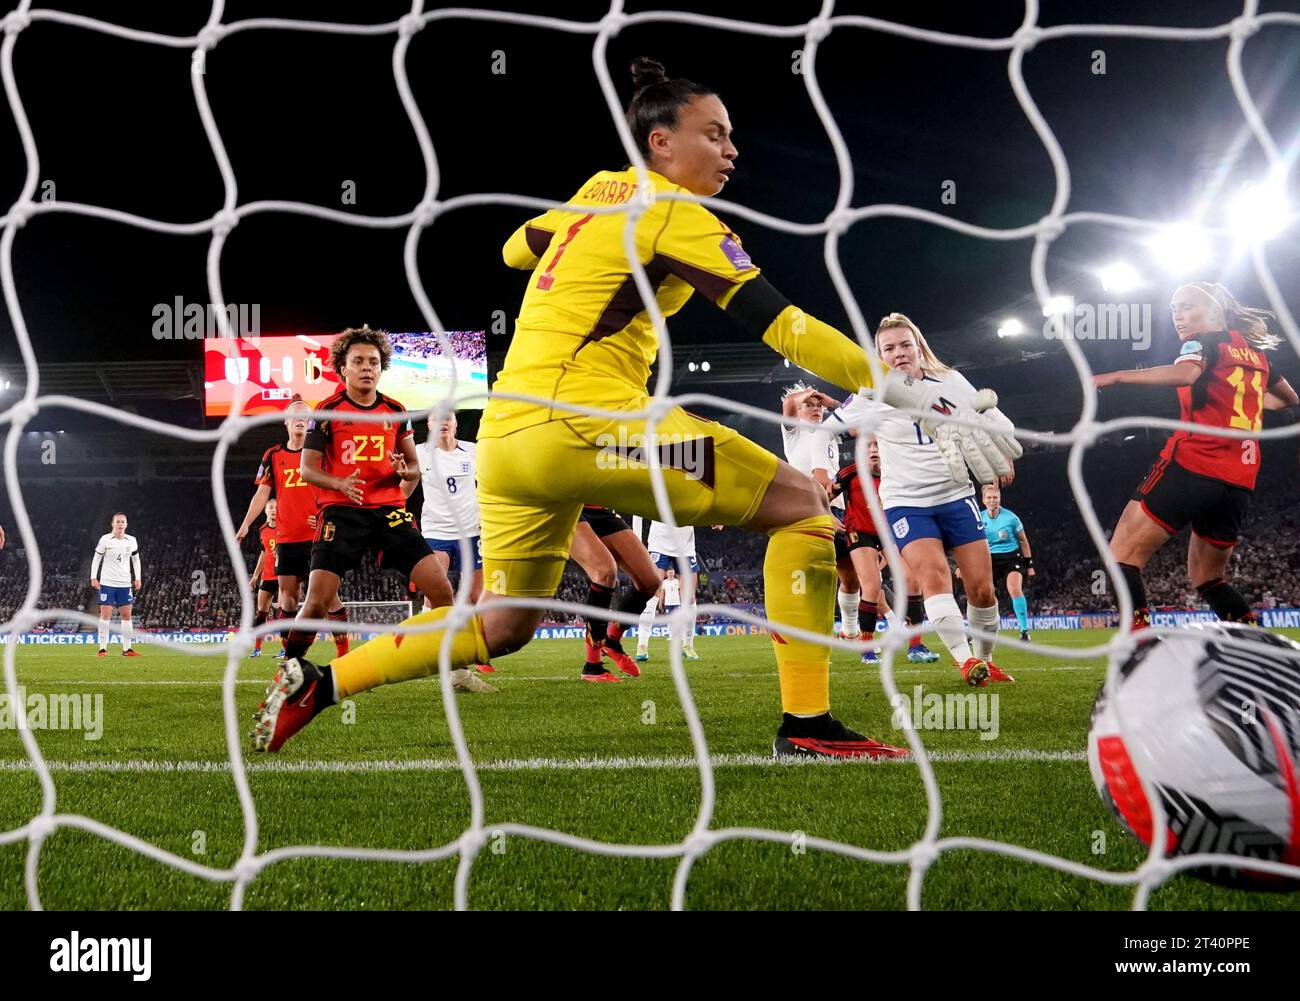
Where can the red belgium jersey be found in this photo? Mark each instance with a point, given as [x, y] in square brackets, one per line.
[268, 552]
[1229, 394]
[295, 497]
[346, 444]
[857, 516]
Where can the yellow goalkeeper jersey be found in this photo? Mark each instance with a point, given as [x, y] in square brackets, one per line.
[582, 334]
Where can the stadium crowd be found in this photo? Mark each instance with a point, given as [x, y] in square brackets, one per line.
[188, 582]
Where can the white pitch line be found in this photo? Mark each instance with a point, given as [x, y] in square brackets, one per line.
[682, 762]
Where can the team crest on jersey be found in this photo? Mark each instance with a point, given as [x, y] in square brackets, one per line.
[901, 528]
[327, 534]
[464, 467]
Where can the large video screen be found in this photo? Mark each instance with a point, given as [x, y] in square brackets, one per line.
[265, 372]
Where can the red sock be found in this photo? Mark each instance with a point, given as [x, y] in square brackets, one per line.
[340, 639]
[258, 619]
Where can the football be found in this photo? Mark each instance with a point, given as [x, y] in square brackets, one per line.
[1215, 727]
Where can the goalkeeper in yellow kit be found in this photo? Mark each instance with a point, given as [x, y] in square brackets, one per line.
[582, 337]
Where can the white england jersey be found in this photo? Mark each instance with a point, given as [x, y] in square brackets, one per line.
[114, 556]
[672, 592]
[912, 470]
[808, 450]
[663, 539]
[450, 490]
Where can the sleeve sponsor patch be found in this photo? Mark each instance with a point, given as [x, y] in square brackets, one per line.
[1191, 351]
[736, 254]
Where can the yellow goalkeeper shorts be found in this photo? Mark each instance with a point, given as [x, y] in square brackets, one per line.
[532, 485]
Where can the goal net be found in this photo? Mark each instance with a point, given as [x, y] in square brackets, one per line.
[366, 613]
[921, 855]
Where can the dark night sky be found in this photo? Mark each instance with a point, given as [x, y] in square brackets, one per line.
[116, 125]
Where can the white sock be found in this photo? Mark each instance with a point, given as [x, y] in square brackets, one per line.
[945, 619]
[690, 636]
[986, 619]
[127, 631]
[644, 626]
[103, 634]
[849, 611]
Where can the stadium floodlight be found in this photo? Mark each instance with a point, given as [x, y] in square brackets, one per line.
[1260, 210]
[1119, 276]
[690, 366]
[1058, 305]
[1011, 328]
[704, 366]
[1181, 249]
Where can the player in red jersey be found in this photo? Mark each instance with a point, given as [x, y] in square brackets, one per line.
[357, 467]
[263, 579]
[602, 543]
[1223, 381]
[279, 476]
[866, 552]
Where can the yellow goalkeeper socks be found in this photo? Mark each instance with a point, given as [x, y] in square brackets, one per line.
[393, 657]
[799, 578]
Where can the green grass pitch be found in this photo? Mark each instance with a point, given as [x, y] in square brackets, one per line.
[608, 762]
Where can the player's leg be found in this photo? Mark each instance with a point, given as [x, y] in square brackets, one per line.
[631, 555]
[262, 611]
[1214, 536]
[867, 565]
[917, 651]
[105, 619]
[444, 559]
[646, 622]
[598, 563]
[849, 592]
[1019, 603]
[1135, 540]
[128, 630]
[976, 566]
[322, 595]
[927, 568]
[688, 599]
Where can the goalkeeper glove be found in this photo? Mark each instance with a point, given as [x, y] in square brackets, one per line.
[987, 450]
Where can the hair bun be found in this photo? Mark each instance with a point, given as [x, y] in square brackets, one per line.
[647, 72]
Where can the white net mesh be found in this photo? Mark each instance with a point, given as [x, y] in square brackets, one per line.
[923, 853]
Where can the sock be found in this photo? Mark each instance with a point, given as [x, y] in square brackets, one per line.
[340, 638]
[1133, 579]
[799, 585]
[1021, 606]
[1226, 601]
[690, 634]
[848, 601]
[868, 612]
[599, 597]
[258, 619]
[297, 643]
[128, 630]
[915, 616]
[986, 619]
[644, 626]
[394, 657]
[945, 616]
[631, 600]
[103, 634]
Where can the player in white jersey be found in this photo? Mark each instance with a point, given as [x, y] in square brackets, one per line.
[449, 474]
[115, 574]
[927, 495]
[817, 454]
[667, 546]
